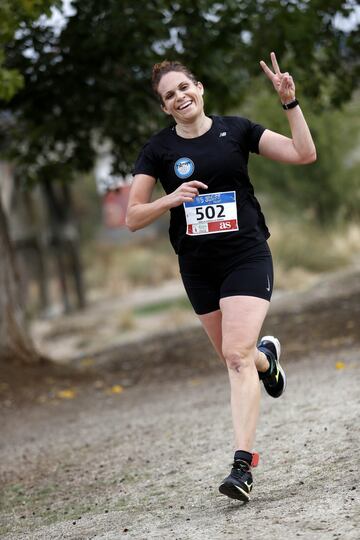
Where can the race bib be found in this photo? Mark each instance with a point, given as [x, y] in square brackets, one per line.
[211, 213]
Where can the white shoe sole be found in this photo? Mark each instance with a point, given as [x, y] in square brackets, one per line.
[275, 341]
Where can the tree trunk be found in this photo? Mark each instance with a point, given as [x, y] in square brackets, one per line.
[15, 342]
[64, 243]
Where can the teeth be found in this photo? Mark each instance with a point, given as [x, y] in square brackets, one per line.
[185, 105]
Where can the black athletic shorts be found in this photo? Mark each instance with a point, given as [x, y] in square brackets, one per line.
[206, 280]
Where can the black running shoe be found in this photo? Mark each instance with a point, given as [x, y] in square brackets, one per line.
[239, 483]
[274, 379]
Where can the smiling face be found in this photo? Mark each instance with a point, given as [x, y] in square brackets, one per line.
[181, 97]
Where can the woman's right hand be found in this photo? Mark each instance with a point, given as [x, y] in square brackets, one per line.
[186, 192]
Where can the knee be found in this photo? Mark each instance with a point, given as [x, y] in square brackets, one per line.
[239, 358]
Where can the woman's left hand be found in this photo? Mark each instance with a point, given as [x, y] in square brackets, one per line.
[282, 82]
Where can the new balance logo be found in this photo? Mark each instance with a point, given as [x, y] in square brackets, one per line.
[222, 134]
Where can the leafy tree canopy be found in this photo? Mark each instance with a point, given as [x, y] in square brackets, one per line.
[15, 15]
[90, 82]
[327, 191]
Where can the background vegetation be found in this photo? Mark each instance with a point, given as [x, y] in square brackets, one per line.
[69, 87]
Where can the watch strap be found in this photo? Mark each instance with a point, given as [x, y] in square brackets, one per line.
[291, 105]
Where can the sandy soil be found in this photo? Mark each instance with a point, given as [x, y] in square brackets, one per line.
[144, 461]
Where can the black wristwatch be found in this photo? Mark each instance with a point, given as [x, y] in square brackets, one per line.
[290, 105]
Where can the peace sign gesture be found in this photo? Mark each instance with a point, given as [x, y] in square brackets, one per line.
[282, 82]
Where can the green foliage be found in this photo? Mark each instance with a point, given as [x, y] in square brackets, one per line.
[158, 307]
[90, 82]
[327, 191]
[16, 15]
[10, 82]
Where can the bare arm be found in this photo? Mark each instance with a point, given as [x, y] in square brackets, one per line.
[299, 149]
[141, 212]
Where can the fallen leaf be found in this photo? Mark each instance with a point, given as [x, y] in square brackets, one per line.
[87, 362]
[66, 394]
[116, 389]
[194, 382]
[339, 365]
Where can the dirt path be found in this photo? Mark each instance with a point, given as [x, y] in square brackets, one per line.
[100, 455]
[146, 463]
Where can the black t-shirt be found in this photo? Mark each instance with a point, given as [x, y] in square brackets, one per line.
[218, 158]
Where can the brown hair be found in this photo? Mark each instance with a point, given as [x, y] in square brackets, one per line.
[159, 70]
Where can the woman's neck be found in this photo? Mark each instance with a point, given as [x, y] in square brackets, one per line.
[194, 129]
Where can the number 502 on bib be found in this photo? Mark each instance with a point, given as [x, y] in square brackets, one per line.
[211, 213]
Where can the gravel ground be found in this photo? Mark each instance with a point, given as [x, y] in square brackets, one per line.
[145, 463]
[128, 448]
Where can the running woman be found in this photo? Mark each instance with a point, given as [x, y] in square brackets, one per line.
[219, 233]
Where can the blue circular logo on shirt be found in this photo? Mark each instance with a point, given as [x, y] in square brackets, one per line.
[184, 167]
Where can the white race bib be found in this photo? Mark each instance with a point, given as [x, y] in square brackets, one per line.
[211, 213]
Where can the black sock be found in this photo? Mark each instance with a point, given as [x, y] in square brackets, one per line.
[243, 455]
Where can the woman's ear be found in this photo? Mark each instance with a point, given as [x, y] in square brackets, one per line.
[201, 88]
[164, 109]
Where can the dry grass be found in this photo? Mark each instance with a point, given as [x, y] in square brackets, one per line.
[126, 320]
[301, 252]
[116, 269]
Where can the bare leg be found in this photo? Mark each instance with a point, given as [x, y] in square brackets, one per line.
[242, 319]
[212, 323]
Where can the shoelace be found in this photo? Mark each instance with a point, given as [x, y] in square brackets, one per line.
[240, 467]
